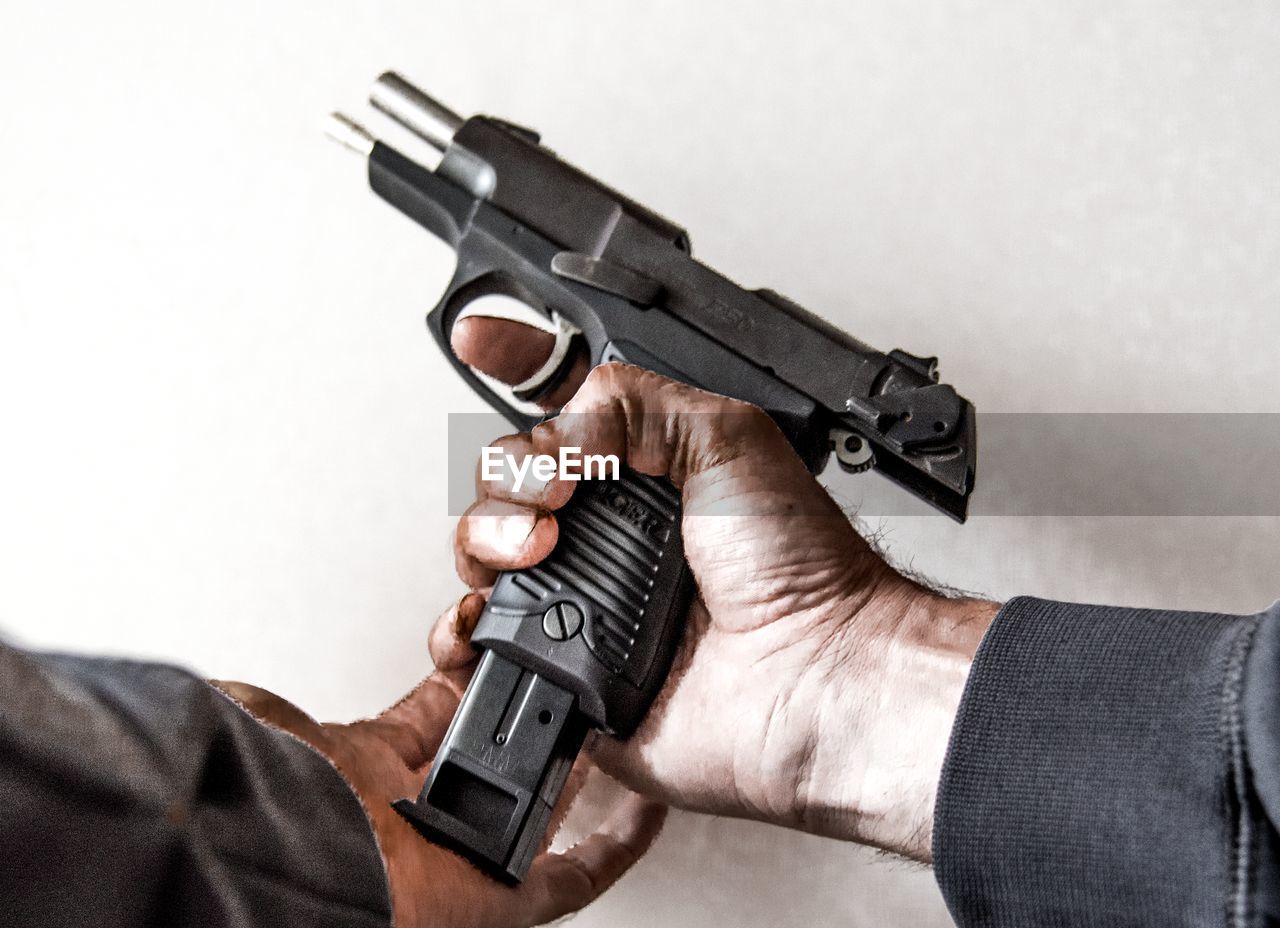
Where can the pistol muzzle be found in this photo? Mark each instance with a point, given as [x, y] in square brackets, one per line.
[350, 134]
[425, 117]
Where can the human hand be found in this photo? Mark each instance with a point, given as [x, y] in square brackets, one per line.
[387, 758]
[815, 686]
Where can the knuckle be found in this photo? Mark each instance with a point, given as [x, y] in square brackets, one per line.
[462, 533]
[602, 380]
[516, 443]
[752, 417]
[517, 446]
[616, 377]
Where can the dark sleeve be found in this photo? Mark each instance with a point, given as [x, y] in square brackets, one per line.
[135, 794]
[1115, 767]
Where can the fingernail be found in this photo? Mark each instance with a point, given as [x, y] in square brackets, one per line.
[467, 614]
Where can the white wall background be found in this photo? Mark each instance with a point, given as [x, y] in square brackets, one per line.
[221, 417]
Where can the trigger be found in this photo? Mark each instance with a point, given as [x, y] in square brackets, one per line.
[556, 367]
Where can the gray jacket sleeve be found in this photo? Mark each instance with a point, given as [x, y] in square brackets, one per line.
[1115, 767]
[135, 794]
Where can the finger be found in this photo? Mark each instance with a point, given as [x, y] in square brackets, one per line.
[450, 640]
[415, 726]
[470, 571]
[732, 452]
[500, 535]
[562, 883]
[658, 426]
[513, 352]
[503, 348]
[497, 479]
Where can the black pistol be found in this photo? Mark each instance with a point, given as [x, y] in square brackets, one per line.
[585, 638]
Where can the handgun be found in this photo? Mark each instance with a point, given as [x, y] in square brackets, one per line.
[585, 638]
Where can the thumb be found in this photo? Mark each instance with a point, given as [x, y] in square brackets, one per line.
[415, 726]
[272, 710]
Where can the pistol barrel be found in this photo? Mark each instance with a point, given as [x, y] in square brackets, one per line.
[350, 134]
[427, 118]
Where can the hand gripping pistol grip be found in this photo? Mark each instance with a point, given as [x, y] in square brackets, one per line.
[583, 639]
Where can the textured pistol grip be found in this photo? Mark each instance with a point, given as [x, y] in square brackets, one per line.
[602, 614]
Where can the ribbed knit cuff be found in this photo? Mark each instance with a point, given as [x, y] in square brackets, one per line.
[1092, 775]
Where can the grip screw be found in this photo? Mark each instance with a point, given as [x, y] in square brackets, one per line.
[562, 621]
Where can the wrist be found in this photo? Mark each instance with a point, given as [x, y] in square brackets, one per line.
[890, 684]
